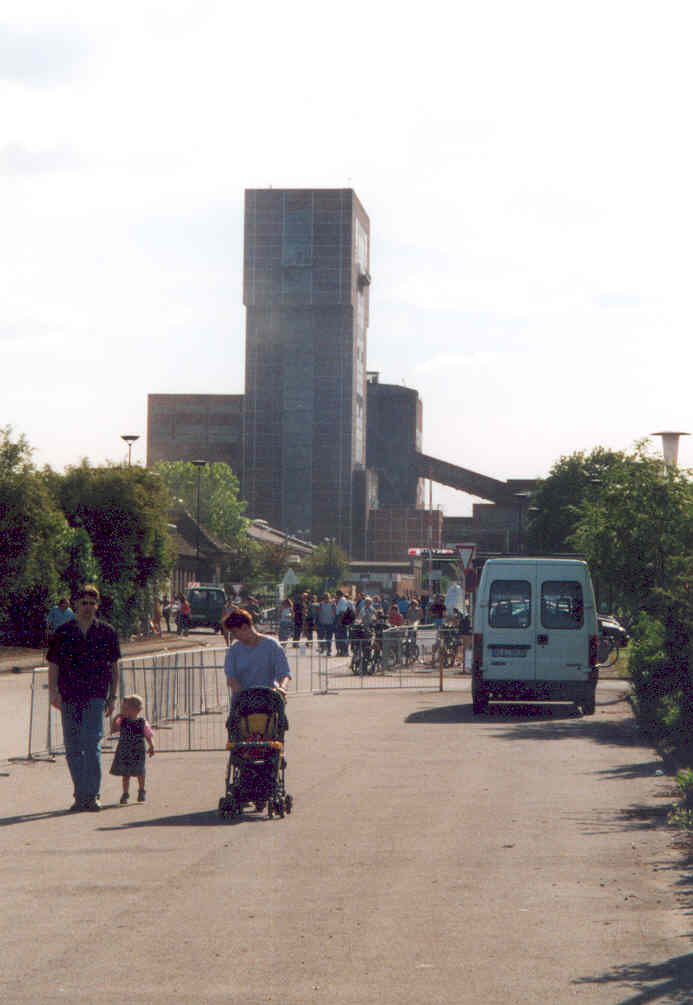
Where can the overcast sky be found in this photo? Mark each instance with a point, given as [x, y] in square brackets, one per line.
[527, 169]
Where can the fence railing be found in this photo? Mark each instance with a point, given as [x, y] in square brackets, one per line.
[186, 696]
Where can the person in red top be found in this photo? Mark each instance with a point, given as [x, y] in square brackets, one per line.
[395, 618]
[183, 618]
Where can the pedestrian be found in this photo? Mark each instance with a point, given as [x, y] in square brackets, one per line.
[286, 619]
[58, 615]
[327, 614]
[436, 611]
[254, 660]
[414, 613]
[394, 618]
[298, 619]
[342, 623]
[183, 616]
[82, 680]
[130, 760]
[309, 607]
[166, 611]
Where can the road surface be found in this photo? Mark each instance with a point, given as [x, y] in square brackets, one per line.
[432, 857]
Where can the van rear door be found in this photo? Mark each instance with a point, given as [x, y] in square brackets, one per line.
[509, 636]
[562, 642]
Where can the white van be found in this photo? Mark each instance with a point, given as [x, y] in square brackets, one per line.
[535, 633]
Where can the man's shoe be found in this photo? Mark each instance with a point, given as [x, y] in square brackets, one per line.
[93, 805]
[124, 798]
[141, 796]
[77, 806]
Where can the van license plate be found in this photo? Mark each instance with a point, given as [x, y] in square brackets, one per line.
[509, 652]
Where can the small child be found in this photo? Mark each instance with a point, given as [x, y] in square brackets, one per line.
[130, 756]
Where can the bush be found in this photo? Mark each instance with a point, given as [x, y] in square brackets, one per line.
[648, 669]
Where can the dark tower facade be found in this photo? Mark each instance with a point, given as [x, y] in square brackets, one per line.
[393, 440]
[306, 292]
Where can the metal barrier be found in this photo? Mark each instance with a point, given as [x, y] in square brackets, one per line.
[399, 658]
[185, 694]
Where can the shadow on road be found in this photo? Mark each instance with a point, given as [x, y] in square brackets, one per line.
[205, 818]
[495, 713]
[670, 982]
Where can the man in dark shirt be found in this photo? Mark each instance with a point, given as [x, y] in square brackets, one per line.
[83, 680]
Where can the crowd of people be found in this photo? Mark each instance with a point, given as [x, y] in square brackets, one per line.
[331, 616]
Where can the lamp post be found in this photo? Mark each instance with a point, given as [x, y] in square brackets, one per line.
[199, 465]
[130, 438]
[330, 542]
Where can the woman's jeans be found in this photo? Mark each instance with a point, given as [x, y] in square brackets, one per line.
[285, 627]
[82, 732]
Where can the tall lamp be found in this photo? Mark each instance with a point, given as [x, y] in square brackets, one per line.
[130, 438]
[199, 465]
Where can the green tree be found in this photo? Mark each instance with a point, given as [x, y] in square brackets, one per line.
[635, 529]
[329, 563]
[123, 510]
[221, 510]
[555, 507]
[33, 534]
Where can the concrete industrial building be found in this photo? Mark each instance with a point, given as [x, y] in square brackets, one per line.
[323, 449]
[306, 292]
[185, 427]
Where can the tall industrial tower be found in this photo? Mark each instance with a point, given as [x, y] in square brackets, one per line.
[306, 291]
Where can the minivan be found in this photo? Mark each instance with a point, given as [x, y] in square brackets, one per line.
[536, 636]
[207, 601]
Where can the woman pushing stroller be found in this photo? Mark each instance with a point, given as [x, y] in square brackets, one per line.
[256, 660]
[257, 673]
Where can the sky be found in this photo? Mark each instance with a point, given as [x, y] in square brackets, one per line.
[527, 170]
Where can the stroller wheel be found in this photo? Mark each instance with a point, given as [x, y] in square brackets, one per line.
[227, 807]
[288, 803]
[270, 809]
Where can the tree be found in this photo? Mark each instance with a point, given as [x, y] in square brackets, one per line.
[123, 510]
[555, 505]
[221, 510]
[635, 529]
[33, 534]
[329, 563]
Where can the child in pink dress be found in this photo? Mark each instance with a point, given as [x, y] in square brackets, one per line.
[130, 758]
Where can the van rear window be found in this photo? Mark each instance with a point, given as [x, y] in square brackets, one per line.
[561, 605]
[510, 604]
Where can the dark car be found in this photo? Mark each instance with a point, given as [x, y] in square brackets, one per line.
[207, 601]
[612, 631]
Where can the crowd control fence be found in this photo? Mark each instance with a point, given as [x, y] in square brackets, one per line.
[186, 697]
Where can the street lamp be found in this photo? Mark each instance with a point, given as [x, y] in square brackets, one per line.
[130, 438]
[330, 541]
[199, 465]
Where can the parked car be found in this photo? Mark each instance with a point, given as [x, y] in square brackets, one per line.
[612, 630]
[207, 601]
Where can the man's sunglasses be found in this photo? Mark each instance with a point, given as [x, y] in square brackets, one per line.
[84, 600]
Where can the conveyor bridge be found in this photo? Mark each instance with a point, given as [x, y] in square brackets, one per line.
[465, 480]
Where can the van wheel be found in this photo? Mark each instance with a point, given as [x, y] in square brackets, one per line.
[588, 704]
[479, 703]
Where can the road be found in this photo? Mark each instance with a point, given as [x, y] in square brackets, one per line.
[432, 857]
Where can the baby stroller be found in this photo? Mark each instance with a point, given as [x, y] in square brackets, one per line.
[255, 770]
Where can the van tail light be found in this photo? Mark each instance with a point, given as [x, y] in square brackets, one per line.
[594, 650]
[477, 654]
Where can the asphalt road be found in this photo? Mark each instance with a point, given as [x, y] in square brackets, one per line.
[432, 857]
